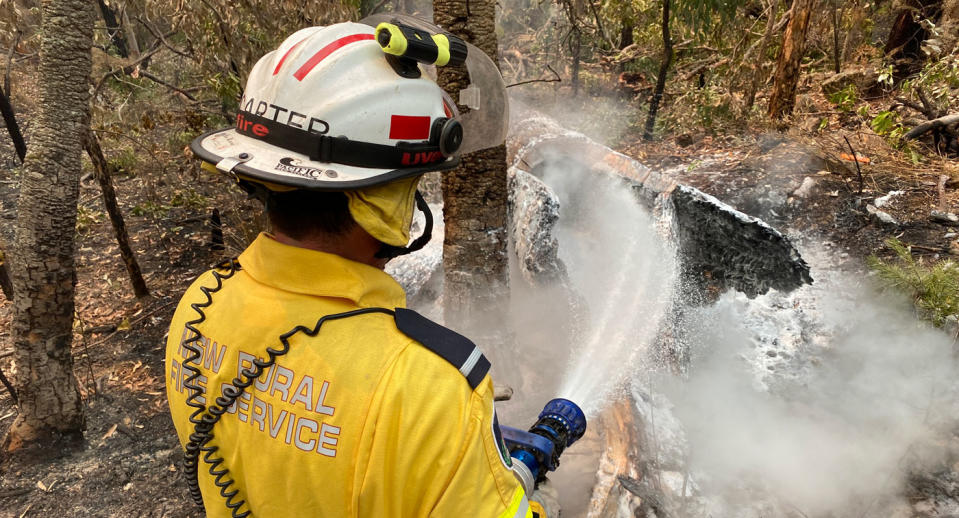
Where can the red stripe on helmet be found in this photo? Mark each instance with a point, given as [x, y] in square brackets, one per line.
[283, 59]
[326, 51]
[407, 127]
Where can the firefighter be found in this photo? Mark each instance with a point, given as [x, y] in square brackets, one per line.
[297, 382]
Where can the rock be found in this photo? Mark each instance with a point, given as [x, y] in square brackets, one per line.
[944, 218]
[774, 178]
[767, 141]
[881, 216]
[954, 247]
[806, 188]
[882, 201]
[684, 140]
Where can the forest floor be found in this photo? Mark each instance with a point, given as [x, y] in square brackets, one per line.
[128, 464]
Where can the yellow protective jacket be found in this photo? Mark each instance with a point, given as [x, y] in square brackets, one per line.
[360, 420]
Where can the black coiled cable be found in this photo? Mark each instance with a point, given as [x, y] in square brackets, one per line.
[191, 460]
[203, 419]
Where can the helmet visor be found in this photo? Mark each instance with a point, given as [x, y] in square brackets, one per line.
[485, 123]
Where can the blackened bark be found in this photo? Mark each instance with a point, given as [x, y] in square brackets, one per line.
[904, 45]
[475, 194]
[113, 29]
[104, 175]
[783, 97]
[43, 269]
[661, 78]
[10, 119]
[626, 35]
[216, 232]
[9, 387]
[5, 283]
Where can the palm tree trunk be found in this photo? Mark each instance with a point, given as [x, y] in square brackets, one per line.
[43, 270]
[474, 196]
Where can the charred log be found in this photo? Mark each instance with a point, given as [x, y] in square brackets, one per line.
[720, 247]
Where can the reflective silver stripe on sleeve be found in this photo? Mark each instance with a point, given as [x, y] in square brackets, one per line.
[523, 508]
[471, 361]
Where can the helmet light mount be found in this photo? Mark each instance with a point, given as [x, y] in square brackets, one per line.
[484, 125]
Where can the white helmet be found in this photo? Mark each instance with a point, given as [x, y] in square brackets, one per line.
[329, 111]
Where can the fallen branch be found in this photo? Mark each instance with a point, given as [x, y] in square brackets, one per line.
[15, 492]
[702, 66]
[555, 79]
[930, 249]
[915, 106]
[930, 106]
[134, 322]
[939, 123]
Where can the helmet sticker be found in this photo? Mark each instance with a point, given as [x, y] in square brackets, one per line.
[221, 141]
[409, 127]
[326, 51]
[288, 52]
[292, 166]
[283, 115]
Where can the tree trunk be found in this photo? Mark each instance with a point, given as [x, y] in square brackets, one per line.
[759, 64]
[132, 44]
[43, 270]
[104, 177]
[950, 26]
[836, 53]
[576, 46]
[475, 194]
[626, 35]
[904, 45]
[790, 57]
[113, 29]
[661, 78]
[854, 35]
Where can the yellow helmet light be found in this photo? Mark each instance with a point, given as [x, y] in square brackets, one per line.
[404, 41]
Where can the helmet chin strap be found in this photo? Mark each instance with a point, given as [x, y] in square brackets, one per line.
[391, 251]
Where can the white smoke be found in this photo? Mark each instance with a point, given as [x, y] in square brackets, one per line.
[857, 390]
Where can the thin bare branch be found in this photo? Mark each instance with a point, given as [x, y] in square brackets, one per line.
[555, 79]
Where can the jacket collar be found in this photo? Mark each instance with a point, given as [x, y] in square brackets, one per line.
[310, 272]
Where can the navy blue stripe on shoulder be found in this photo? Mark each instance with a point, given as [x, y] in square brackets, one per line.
[446, 343]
